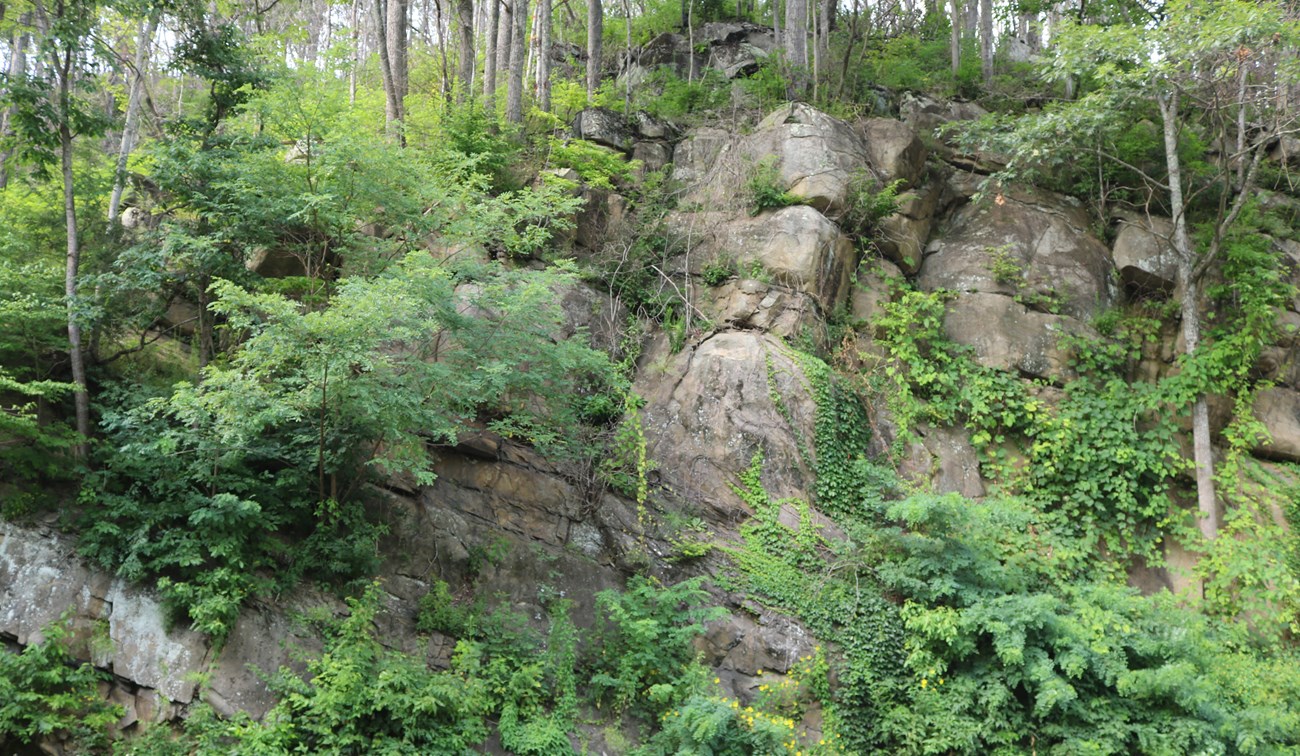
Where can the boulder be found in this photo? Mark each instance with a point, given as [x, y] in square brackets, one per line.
[711, 406]
[651, 127]
[737, 48]
[894, 149]
[926, 113]
[943, 460]
[796, 246]
[603, 214]
[1146, 261]
[1034, 245]
[872, 290]
[1279, 410]
[653, 156]
[902, 239]
[604, 127]
[1007, 335]
[815, 158]
[667, 49]
[592, 314]
[751, 304]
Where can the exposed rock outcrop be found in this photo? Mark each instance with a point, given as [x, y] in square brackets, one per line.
[1035, 245]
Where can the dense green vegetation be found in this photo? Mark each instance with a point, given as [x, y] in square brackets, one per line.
[339, 259]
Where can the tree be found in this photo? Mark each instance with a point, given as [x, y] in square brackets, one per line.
[1217, 70]
[48, 114]
[518, 50]
[595, 31]
[131, 127]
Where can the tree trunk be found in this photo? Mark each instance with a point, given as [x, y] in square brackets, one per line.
[505, 33]
[398, 23]
[595, 31]
[544, 55]
[954, 42]
[17, 69]
[132, 125]
[518, 51]
[1202, 453]
[392, 100]
[796, 45]
[627, 80]
[356, 53]
[986, 41]
[76, 357]
[490, 54]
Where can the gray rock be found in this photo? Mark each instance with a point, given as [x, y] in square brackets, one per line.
[1008, 336]
[796, 246]
[1033, 244]
[750, 304]
[1279, 410]
[604, 127]
[710, 407]
[815, 157]
[1145, 259]
[894, 149]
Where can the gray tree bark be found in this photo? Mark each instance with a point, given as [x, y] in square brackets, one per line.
[17, 68]
[796, 44]
[131, 128]
[490, 53]
[544, 55]
[986, 41]
[465, 62]
[1202, 452]
[595, 31]
[518, 51]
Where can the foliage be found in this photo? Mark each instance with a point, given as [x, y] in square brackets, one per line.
[50, 695]
[1005, 641]
[598, 166]
[1086, 459]
[642, 646]
[764, 189]
[202, 487]
[868, 203]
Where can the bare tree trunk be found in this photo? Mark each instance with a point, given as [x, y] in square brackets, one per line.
[986, 41]
[1202, 453]
[392, 100]
[465, 61]
[627, 80]
[490, 54]
[954, 42]
[544, 55]
[132, 125]
[796, 44]
[398, 23]
[595, 31]
[505, 34]
[518, 50]
[81, 392]
[356, 53]
[17, 69]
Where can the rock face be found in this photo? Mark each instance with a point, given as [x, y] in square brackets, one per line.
[604, 127]
[796, 246]
[1032, 245]
[750, 304]
[1008, 336]
[1143, 255]
[894, 149]
[1279, 410]
[710, 407]
[814, 155]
